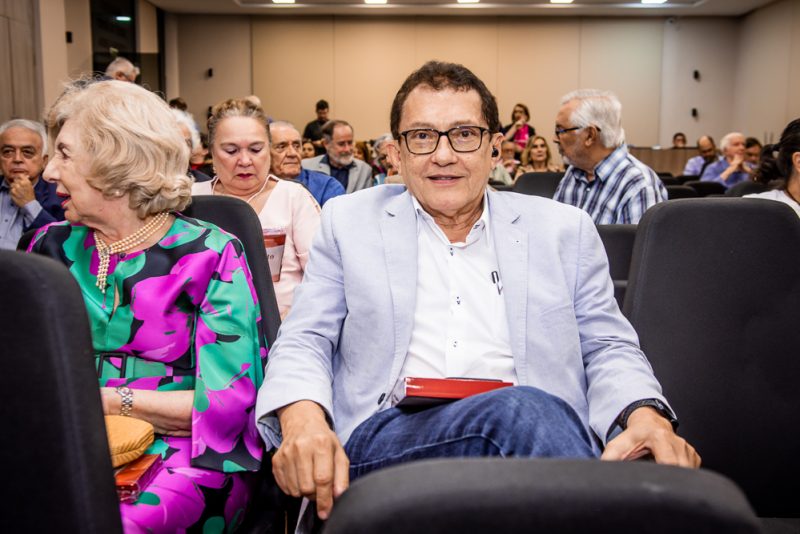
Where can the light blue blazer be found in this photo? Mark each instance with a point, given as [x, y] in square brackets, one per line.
[344, 342]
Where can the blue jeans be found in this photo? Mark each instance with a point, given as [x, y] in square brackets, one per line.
[515, 421]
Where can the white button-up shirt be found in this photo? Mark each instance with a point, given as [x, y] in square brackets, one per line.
[460, 325]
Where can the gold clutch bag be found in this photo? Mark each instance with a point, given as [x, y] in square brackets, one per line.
[128, 438]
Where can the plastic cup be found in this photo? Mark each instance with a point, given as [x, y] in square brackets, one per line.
[274, 242]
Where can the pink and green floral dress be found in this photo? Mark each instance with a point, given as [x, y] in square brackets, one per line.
[187, 318]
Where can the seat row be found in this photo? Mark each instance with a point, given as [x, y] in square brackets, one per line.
[711, 288]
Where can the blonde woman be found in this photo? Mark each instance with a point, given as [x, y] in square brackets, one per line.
[157, 286]
[536, 157]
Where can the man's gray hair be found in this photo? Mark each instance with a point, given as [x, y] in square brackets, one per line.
[286, 124]
[381, 140]
[726, 141]
[120, 64]
[186, 119]
[35, 127]
[601, 109]
[330, 126]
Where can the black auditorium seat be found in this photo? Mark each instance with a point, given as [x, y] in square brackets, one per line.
[746, 188]
[683, 178]
[618, 241]
[541, 184]
[705, 189]
[714, 294]
[58, 475]
[271, 510]
[668, 179]
[516, 495]
[238, 218]
[681, 191]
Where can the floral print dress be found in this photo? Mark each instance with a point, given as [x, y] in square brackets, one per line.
[187, 318]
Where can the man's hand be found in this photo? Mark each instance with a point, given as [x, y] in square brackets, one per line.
[21, 190]
[310, 461]
[650, 433]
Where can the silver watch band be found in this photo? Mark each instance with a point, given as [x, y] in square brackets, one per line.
[127, 400]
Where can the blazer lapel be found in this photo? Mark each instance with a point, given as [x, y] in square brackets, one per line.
[398, 226]
[511, 246]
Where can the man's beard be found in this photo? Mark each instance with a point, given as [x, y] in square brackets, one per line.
[344, 161]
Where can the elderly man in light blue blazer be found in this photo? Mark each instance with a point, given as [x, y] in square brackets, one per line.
[450, 279]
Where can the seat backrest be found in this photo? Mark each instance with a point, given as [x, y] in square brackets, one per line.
[541, 184]
[58, 474]
[714, 294]
[238, 218]
[618, 241]
[668, 179]
[746, 188]
[681, 191]
[705, 189]
[510, 495]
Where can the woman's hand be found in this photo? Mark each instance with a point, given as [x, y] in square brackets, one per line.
[170, 412]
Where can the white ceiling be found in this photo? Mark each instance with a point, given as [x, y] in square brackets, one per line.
[673, 8]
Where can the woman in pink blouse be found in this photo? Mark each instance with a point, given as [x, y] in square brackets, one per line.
[239, 141]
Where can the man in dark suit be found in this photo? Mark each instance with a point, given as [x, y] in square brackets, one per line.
[26, 200]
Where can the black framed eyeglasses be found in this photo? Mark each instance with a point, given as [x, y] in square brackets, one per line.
[559, 131]
[424, 141]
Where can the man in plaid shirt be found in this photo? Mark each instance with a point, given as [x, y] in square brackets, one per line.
[603, 179]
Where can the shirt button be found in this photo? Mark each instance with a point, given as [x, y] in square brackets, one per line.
[455, 344]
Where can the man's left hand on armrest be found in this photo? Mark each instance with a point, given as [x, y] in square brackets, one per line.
[648, 432]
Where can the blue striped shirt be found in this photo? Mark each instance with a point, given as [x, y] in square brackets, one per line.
[622, 190]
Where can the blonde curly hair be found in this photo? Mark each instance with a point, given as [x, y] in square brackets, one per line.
[134, 143]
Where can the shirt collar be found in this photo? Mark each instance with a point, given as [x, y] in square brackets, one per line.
[479, 228]
[607, 167]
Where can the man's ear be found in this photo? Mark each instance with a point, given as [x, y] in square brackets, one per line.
[45, 159]
[796, 162]
[497, 145]
[393, 155]
[591, 136]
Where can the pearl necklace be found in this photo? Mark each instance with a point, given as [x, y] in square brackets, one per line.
[137, 238]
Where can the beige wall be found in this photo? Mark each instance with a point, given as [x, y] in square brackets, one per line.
[768, 76]
[172, 72]
[360, 63]
[18, 76]
[220, 43]
[52, 49]
[710, 47]
[146, 28]
[79, 51]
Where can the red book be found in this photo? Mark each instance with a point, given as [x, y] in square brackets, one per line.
[413, 391]
[133, 477]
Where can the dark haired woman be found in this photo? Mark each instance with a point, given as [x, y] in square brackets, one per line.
[780, 164]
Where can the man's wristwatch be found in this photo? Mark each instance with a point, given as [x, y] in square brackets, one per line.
[656, 404]
[127, 400]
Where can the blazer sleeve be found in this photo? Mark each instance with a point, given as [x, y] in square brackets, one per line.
[300, 364]
[617, 371]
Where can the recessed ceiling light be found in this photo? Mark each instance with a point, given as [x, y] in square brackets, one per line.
[468, 1]
[560, 1]
[374, 1]
[283, 1]
[123, 18]
[654, 1]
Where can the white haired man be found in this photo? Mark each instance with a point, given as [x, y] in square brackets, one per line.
[285, 163]
[732, 168]
[26, 201]
[603, 179]
[122, 69]
[338, 161]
